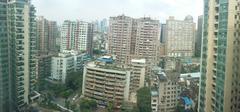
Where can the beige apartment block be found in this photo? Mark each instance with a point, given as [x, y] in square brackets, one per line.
[106, 83]
[180, 37]
[130, 38]
[168, 90]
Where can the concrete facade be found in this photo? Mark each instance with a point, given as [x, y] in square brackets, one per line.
[130, 38]
[106, 83]
[180, 37]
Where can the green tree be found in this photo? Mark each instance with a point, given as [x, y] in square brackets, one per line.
[110, 107]
[74, 80]
[88, 105]
[144, 100]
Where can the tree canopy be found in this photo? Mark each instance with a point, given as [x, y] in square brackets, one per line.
[88, 105]
[74, 80]
[144, 100]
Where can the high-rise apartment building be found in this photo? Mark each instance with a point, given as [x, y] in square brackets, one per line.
[219, 85]
[42, 33]
[120, 37]
[17, 54]
[100, 26]
[147, 40]
[163, 33]
[4, 60]
[47, 32]
[180, 37]
[198, 41]
[53, 34]
[77, 35]
[129, 38]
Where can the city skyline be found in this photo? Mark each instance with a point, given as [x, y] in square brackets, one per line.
[94, 10]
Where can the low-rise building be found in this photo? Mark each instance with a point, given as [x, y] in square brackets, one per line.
[61, 65]
[79, 59]
[43, 67]
[65, 63]
[106, 82]
[138, 68]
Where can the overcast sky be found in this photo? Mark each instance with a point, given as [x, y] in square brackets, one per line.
[89, 10]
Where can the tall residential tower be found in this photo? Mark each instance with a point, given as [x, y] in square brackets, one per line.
[47, 33]
[198, 42]
[17, 54]
[220, 70]
[77, 35]
[130, 38]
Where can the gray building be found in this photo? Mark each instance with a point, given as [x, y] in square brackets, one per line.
[17, 54]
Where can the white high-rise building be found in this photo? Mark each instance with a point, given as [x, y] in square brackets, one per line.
[77, 35]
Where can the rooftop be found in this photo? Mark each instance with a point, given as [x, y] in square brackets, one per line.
[142, 61]
[106, 62]
[187, 100]
[192, 75]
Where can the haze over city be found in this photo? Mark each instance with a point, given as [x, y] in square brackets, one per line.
[119, 56]
[90, 10]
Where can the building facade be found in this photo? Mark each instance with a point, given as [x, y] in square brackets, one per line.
[43, 68]
[198, 42]
[147, 40]
[130, 38]
[219, 85]
[180, 37]
[17, 73]
[120, 37]
[169, 91]
[65, 63]
[47, 33]
[163, 33]
[106, 83]
[138, 67]
[154, 101]
[77, 35]
[61, 66]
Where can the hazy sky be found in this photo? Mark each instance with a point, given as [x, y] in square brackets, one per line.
[90, 10]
